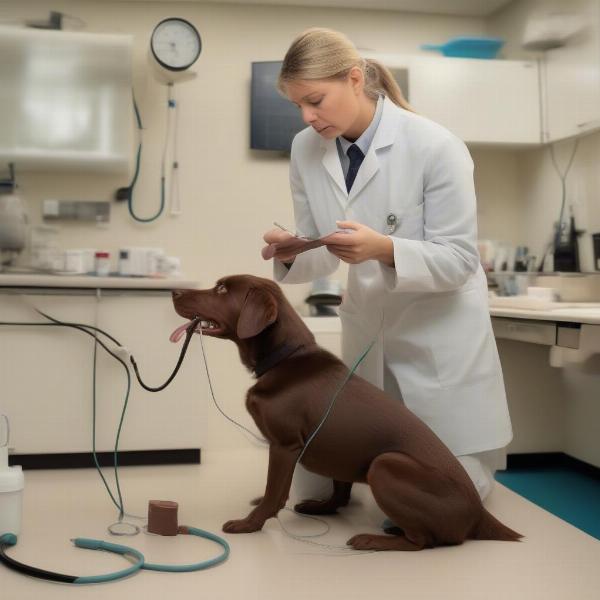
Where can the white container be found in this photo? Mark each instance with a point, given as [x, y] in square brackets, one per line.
[102, 264]
[12, 483]
[74, 261]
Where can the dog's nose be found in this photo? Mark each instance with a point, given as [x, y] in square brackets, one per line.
[177, 294]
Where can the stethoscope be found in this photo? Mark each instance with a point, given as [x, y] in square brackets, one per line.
[392, 223]
[10, 539]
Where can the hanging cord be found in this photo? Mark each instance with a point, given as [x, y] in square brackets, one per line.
[120, 505]
[137, 171]
[212, 393]
[91, 331]
[313, 435]
[563, 180]
[188, 338]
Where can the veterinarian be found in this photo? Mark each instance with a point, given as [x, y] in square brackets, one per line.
[403, 187]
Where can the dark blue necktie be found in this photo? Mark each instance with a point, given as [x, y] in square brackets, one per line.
[356, 157]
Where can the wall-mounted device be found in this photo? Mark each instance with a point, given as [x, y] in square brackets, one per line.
[175, 46]
[76, 210]
[13, 221]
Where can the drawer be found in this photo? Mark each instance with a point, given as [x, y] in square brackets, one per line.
[523, 330]
[567, 335]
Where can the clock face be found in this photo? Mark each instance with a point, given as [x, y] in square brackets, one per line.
[175, 44]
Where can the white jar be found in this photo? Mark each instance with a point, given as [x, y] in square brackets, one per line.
[74, 261]
[12, 483]
[102, 264]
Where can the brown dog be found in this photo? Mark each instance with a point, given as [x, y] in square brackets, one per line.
[368, 437]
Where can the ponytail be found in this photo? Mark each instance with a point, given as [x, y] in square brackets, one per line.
[379, 80]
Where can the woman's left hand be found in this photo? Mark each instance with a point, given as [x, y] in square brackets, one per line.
[360, 244]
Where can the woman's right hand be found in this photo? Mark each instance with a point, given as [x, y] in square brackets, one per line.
[274, 237]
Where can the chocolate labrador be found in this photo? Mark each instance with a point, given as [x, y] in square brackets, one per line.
[368, 436]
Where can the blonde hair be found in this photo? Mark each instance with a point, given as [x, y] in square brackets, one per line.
[319, 53]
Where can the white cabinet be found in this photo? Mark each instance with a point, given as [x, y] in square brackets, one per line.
[46, 374]
[481, 101]
[571, 82]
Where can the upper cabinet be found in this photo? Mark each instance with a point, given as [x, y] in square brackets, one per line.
[65, 100]
[481, 101]
[571, 82]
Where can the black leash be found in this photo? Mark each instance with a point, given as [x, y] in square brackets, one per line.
[188, 338]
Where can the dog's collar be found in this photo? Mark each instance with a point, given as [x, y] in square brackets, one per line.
[280, 353]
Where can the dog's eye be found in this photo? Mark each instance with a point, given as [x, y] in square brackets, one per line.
[220, 288]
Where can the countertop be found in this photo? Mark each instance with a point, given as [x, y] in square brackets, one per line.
[524, 307]
[20, 280]
[554, 560]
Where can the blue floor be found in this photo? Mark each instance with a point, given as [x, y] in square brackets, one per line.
[566, 493]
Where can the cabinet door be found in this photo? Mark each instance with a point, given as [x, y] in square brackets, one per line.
[572, 82]
[481, 101]
[46, 375]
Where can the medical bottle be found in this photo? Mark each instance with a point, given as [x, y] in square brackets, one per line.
[12, 483]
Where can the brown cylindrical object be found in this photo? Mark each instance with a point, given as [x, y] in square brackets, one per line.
[162, 517]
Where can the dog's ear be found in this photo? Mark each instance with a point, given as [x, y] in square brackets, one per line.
[259, 311]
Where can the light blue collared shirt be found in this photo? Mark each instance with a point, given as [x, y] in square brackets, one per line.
[363, 142]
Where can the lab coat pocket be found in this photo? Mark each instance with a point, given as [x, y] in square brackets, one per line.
[461, 338]
[412, 223]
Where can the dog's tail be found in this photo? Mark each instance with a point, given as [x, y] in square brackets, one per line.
[489, 528]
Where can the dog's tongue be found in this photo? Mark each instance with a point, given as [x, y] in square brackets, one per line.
[178, 333]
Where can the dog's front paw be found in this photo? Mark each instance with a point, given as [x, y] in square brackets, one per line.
[316, 507]
[242, 526]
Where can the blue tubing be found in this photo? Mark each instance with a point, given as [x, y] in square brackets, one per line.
[195, 566]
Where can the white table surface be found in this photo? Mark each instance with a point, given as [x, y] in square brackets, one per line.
[555, 561]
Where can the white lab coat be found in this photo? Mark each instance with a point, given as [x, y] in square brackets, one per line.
[431, 309]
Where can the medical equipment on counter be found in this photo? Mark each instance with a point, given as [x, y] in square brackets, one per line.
[102, 263]
[12, 483]
[566, 247]
[561, 233]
